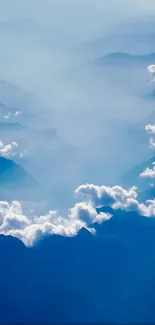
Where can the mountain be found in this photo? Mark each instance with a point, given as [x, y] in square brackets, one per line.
[14, 179]
[124, 59]
[102, 278]
[14, 131]
[145, 191]
[149, 95]
[9, 127]
[11, 172]
[132, 177]
[13, 96]
[119, 41]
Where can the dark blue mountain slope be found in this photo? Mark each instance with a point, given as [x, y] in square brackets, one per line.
[104, 278]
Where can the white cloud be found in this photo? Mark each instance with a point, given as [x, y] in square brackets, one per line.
[105, 195]
[102, 217]
[151, 143]
[11, 216]
[148, 172]
[15, 223]
[7, 116]
[150, 128]
[115, 197]
[17, 113]
[132, 205]
[8, 150]
[29, 229]
[151, 69]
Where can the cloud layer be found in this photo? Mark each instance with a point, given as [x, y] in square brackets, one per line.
[31, 228]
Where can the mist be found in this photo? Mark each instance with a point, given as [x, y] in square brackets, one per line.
[77, 122]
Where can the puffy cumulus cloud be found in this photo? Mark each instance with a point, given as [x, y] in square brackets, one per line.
[105, 195]
[132, 205]
[148, 172]
[116, 197]
[150, 208]
[9, 150]
[87, 213]
[151, 69]
[150, 128]
[11, 216]
[13, 222]
[30, 229]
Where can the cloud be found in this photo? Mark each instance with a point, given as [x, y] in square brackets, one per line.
[151, 69]
[105, 195]
[116, 197]
[17, 113]
[67, 70]
[30, 229]
[150, 128]
[15, 223]
[8, 150]
[151, 143]
[9, 115]
[148, 172]
[11, 216]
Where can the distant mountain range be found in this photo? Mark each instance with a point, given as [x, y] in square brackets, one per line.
[107, 278]
[118, 58]
[14, 180]
[118, 41]
[133, 178]
[149, 95]
[7, 126]
[12, 173]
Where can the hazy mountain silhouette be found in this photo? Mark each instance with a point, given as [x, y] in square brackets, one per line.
[102, 278]
[130, 42]
[149, 95]
[132, 177]
[14, 180]
[7, 126]
[124, 59]
[145, 191]
[11, 173]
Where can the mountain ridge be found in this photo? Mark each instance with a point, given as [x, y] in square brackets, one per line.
[81, 279]
[121, 58]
